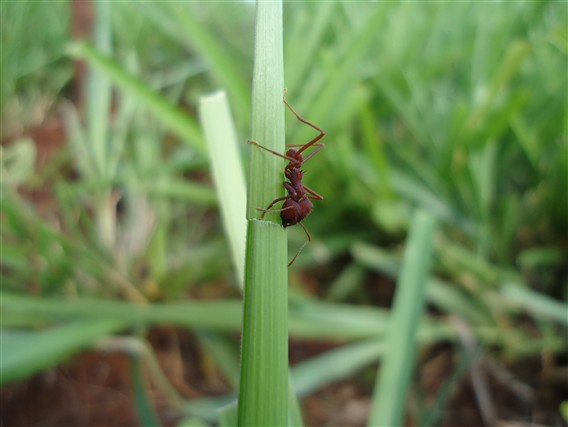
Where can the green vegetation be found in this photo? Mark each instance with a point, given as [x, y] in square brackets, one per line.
[435, 113]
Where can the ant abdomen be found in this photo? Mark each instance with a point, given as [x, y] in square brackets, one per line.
[293, 212]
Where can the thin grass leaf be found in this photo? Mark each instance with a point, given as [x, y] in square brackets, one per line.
[172, 117]
[200, 36]
[396, 370]
[306, 36]
[294, 410]
[343, 362]
[446, 296]
[99, 94]
[229, 415]
[215, 315]
[146, 413]
[208, 408]
[263, 395]
[331, 105]
[185, 191]
[222, 349]
[310, 319]
[228, 173]
[143, 354]
[192, 422]
[26, 353]
[539, 305]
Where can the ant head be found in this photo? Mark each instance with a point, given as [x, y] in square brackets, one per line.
[292, 152]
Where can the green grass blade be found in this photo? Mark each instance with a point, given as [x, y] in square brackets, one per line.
[395, 374]
[264, 361]
[263, 397]
[446, 296]
[335, 365]
[307, 35]
[185, 191]
[266, 169]
[309, 320]
[223, 67]
[23, 354]
[294, 411]
[215, 315]
[225, 354]
[343, 362]
[539, 305]
[99, 93]
[175, 119]
[228, 415]
[228, 174]
[146, 413]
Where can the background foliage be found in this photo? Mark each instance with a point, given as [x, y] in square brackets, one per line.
[456, 109]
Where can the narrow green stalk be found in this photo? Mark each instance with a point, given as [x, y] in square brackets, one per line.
[146, 413]
[263, 393]
[98, 111]
[228, 174]
[396, 370]
[263, 397]
[99, 93]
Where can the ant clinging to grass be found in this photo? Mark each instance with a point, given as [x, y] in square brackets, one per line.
[297, 204]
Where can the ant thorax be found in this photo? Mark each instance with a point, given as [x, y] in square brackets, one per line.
[294, 175]
[295, 157]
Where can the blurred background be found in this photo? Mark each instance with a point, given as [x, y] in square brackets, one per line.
[119, 302]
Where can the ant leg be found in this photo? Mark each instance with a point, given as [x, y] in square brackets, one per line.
[312, 142]
[292, 193]
[273, 210]
[301, 247]
[300, 118]
[290, 159]
[315, 196]
[309, 156]
[301, 145]
[272, 204]
[319, 145]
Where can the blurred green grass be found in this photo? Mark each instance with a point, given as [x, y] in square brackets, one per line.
[456, 109]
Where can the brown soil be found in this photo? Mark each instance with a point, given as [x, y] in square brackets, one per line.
[95, 389]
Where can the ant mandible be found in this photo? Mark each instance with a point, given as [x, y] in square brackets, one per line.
[297, 204]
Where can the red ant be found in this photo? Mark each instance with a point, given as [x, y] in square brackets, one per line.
[297, 204]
